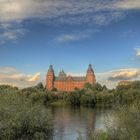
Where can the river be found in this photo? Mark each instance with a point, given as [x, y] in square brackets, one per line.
[69, 121]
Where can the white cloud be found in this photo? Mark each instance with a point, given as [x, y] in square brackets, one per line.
[111, 78]
[128, 4]
[20, 10]
[125, 74]
[5, 25]
[11, 76]
[34, 77]
[99, 12]
[137, 52]
[12, 10]
[10, 32]
[71, 37]
[11, 35]
[67, 37]
[75, 36]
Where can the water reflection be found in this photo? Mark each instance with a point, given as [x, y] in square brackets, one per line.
[71, 120]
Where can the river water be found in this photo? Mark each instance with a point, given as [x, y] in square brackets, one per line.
[69, 121]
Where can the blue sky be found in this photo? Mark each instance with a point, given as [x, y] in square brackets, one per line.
[69, 35]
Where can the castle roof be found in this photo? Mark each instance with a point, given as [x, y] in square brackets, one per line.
[64, 79]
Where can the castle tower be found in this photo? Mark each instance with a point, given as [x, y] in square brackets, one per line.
[90, 77]
[50, 78]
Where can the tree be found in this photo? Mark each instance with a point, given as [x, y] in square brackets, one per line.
[104, 88]
[87, 86]
[40, 85]
[97, 87]
[54, 89]
[74, 98]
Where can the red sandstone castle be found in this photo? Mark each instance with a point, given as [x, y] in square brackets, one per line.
[68, 83]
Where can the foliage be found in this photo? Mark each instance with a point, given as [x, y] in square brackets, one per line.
[126, 125]
[88, 99]
[97, 87]
[54, 89]
[22, 116]
[90, 95]
[6, 88]
[128, 122]
[74, 98]
[87, 86]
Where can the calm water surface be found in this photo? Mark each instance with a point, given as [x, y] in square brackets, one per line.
[69, 121]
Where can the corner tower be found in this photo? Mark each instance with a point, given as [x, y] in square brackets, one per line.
[50, 78]
[90, 77]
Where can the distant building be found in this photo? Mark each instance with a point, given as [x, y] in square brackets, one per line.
[68, 83]
[124, 83]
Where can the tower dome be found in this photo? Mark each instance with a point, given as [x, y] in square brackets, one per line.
[51, 68]
[90, 68]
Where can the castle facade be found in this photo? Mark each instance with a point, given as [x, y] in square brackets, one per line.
[62, 82]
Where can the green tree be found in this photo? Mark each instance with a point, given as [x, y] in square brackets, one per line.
[97, 87]
[87, 86]
[40, 86]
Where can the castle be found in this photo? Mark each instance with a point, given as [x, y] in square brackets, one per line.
[68, 83]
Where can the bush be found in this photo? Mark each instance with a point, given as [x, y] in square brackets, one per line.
[20, 119]
[88, 99]
[74, 98]
[6, 88]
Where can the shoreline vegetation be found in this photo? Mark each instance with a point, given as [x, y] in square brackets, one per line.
[24, 113]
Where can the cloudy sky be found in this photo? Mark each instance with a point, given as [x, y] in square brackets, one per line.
[69, 34]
